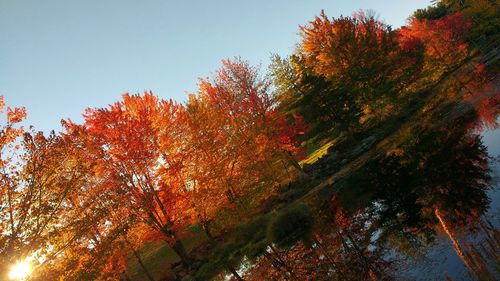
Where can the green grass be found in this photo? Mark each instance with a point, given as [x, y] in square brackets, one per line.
[158, 257]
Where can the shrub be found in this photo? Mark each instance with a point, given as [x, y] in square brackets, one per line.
[291, 225]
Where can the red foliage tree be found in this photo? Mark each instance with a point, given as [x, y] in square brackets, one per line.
[135, 147]
[443, 38]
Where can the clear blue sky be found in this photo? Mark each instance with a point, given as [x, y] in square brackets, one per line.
[59, 57]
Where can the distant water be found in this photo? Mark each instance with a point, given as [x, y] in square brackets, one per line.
[491, 139]
[441, 257]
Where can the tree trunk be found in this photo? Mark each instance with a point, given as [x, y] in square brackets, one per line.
[235, 273]
[295, 163]
[454, 240]
[286, 169]
[373, 274]
[179, 249]
[139, 260]
[327, 255]
[282, 261]
[143, 266]
[124, 276]
[206, 228]
[275, 262]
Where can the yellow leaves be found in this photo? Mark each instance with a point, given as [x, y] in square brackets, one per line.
[367, 113]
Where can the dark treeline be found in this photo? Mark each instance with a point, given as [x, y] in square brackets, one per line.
[232, 184]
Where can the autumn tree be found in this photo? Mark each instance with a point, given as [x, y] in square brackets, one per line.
[12, 238]
[9, 241]
[109, 236]
[238, 142]
[482, 13]
[135, 148]
[346, 71]
[40, 177]
[103, 253]
[447, 172]
[443, 38]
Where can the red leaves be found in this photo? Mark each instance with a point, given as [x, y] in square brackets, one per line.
[441, 37]
[135, 147]
[408, 42]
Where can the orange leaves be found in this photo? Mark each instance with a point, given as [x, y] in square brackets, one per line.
[235, 136]
[16, 115]
[2, 102]
[136, 150]
[362, 63]
[333, 47]
[9, 132]
[162, 166]
[37, 190]
[128, 131]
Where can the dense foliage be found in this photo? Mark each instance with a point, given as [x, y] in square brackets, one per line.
[142, 173]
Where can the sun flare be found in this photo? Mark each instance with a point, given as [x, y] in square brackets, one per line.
[20, 270]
